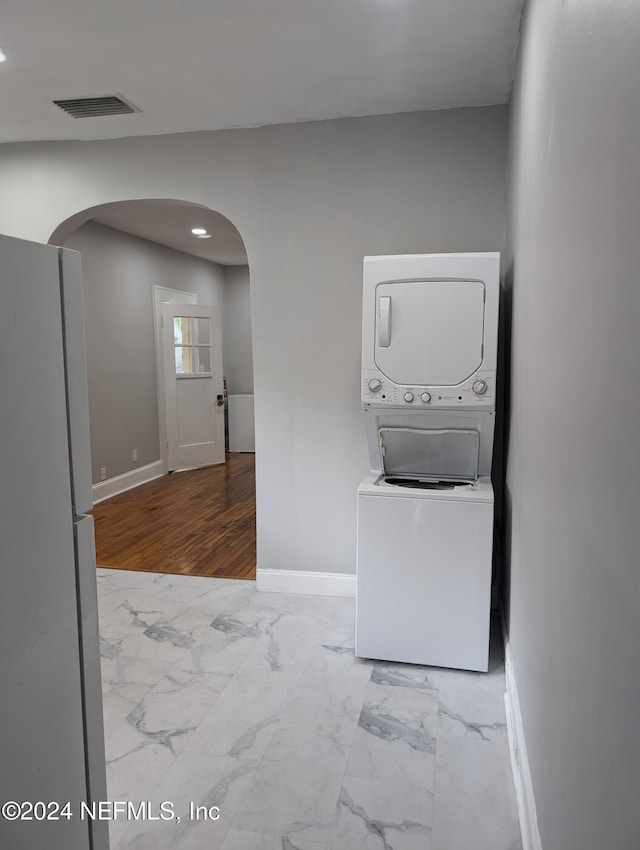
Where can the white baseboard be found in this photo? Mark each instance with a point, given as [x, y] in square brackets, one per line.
[315, 584]
[127, 481]
[525, 798]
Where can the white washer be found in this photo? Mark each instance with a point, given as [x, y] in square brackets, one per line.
[425, 514]
[424, 573]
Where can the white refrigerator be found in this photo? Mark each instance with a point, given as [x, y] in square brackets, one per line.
[52, 739]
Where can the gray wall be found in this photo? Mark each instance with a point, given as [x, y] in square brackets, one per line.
[236, 337]
[119, 272]
[574, 456]
[310, 201]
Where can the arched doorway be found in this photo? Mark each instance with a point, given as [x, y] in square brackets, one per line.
[137, 254]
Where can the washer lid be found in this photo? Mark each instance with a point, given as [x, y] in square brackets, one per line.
[449, 454]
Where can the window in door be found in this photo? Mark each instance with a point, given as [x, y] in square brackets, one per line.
[192, 345]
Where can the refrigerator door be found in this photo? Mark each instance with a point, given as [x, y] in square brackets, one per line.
[91, 680]
[84, 538]
[76, 379]
[42, 743]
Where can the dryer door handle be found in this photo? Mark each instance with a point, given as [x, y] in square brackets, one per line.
[384, 321]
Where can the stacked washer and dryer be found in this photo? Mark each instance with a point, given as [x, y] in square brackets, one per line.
[425, 512]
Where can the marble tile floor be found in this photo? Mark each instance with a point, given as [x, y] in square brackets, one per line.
[254, 703]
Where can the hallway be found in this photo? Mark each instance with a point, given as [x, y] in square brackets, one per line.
[200, 522]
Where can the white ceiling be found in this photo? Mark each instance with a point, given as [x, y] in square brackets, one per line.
[170, 222]
[211, 64]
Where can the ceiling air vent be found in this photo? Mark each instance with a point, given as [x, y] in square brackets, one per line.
[93, 107]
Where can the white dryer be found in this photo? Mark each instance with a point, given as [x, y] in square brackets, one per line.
[430, 330]
[425, 513]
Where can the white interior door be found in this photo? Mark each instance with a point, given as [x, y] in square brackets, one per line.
[160, 295]
[194, 400]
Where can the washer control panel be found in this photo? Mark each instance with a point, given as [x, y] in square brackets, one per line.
[477, 391]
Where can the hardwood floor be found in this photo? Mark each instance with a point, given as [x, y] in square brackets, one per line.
[200, 522]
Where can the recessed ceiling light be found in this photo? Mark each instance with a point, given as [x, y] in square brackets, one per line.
[3, 55]
[204, 235]
[198, 231]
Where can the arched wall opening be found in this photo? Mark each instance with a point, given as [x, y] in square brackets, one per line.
[136, 254]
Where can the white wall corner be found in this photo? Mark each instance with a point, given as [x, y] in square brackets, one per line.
[314, 584]
[525, 798]
[127, 481]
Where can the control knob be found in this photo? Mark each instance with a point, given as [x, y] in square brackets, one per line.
[408, 397]
[426, 397]
[375, 385]
[480, 387]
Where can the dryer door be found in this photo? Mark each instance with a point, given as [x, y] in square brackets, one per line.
[429, 332]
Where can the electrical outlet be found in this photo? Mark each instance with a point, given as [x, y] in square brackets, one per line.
[134, 455]
[103, 473]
